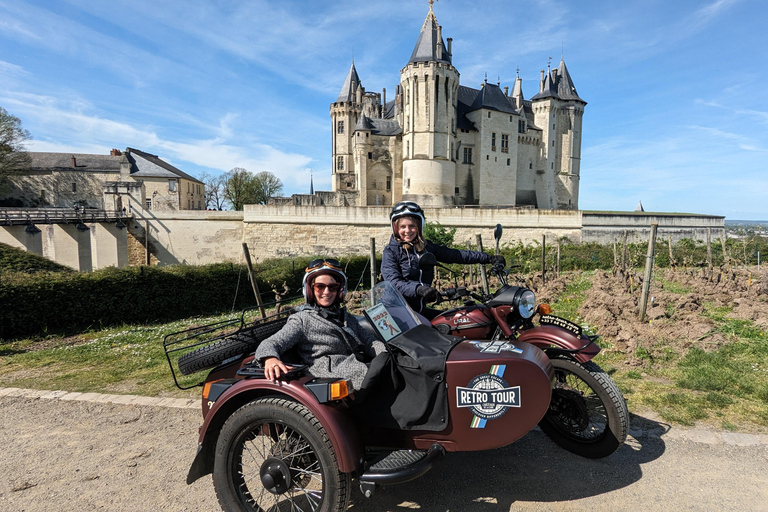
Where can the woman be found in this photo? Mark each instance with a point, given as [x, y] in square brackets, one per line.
[400, 259]
[324, 336]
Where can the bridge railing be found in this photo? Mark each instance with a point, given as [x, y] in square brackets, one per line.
[22, 216]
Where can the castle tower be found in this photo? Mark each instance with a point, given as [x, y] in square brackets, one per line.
[558, 111]
[429, 85]
[345, 112]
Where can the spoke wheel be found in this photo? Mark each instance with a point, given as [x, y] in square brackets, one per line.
[587, 414]
[273, 455]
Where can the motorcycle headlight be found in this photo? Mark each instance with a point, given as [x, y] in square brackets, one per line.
[526, 304]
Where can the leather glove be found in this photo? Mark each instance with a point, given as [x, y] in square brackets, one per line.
[498, 260]
[427, 293]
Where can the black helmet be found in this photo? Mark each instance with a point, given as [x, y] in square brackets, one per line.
[405, 209]
[319, 267]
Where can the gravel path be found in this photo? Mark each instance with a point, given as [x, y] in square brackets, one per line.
[70, 451]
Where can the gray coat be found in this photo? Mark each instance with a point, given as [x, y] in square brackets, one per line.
[323, 345]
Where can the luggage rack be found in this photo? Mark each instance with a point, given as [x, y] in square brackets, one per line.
[183, 342]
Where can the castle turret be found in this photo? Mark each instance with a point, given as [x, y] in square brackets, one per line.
[429, 85]
[345, 112]
[558, 111]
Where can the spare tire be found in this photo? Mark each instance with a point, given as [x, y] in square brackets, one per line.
[241, 342]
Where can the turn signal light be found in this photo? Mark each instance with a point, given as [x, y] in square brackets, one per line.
[207, 388]
[339, 389]
[544, 309]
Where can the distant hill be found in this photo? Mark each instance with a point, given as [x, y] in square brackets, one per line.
[13, 259]
[763, 223]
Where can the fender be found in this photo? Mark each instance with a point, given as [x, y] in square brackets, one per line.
[334, 419]
[546, 336]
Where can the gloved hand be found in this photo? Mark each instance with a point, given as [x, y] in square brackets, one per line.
[498, 259]
[427, 293]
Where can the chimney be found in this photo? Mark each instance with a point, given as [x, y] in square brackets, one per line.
[384, 96]
[450, 44]
[74, 161]
[439, 43]
[506, 91]
[541, 84]
[115, 152]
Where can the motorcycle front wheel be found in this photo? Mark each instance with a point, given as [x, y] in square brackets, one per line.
[273, 455]
[587, 415]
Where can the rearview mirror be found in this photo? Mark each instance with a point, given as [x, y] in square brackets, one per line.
[427, 260]
[497, 232]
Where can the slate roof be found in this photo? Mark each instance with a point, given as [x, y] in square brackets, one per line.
[145, 165]
[63, 162]
[426, 45]
[491, 97]
[559, 85]
[379, 126]
[350, 84]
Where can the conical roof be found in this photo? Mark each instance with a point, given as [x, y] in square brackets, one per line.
[565, 88]
[639, 207]
[350, 85]
[517, 89]
[426, 45]
[364, 123]
[549, 90]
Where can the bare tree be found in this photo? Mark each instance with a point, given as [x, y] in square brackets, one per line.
[214, 190]
[267, 186]
[13, 156]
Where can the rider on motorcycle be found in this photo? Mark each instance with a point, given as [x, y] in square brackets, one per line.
[400, 259]
[323, 335]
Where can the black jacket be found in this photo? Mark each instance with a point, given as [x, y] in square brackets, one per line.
[400, 266]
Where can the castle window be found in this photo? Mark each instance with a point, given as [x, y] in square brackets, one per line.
[493, 141]
[553, 143]
[510, 119]
[340, 163]
[456, 190]
[508, 160]
[340, 127]
[149, 203]
[552, 165]
[389, 184]
[489, 115]
[504, 143]
[172, 185]
[370, 155]
[467, 155]
[487, 157]
[530, 165]
[74, 187]
[408, 183]
[521, 126]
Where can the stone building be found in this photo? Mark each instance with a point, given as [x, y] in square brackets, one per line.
[122, 179]
[441, 143]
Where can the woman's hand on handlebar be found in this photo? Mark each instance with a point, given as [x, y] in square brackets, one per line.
[428, 293]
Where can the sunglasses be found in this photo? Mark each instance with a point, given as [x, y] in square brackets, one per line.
[320, 287]
[327, 262]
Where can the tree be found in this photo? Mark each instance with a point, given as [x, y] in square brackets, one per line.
[13, 156]
[439, 234]
[267, 186]
[239, 188]
[214, 190]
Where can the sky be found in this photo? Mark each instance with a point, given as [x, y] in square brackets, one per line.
[677, 93]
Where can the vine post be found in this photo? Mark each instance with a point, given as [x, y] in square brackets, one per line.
[648, 270]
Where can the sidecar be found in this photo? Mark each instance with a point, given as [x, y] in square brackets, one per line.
[299, 442]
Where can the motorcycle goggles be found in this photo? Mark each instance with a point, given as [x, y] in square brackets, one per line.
[405, 208]
[324, 262]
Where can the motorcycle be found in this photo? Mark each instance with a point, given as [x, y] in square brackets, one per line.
[296, 443]
[587, 415]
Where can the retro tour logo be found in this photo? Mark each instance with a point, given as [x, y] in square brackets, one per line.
[488, 396]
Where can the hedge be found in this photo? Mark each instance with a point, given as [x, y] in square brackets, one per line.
[67, 303]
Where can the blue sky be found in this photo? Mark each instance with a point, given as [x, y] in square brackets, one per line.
[677, 113]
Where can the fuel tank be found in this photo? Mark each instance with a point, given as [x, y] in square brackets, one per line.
[471, 322]
[497, 392]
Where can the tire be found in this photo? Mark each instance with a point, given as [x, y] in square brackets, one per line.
[277, 442]
[587, 415]
[241, 342]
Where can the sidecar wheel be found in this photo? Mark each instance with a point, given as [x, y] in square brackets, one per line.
[587, 415]
[274, 455]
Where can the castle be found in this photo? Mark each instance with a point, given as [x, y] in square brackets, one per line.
[440, 143]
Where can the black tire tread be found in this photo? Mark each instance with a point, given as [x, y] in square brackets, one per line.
[617, 431]
[241, 342]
